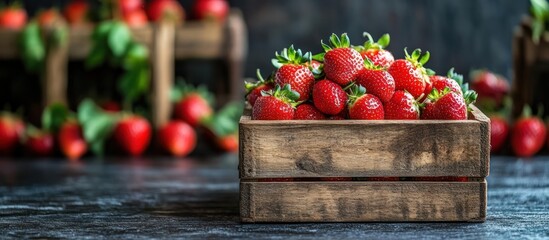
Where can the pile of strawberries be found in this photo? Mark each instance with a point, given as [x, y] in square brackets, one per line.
[357, 82]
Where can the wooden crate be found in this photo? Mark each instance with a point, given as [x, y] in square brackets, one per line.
[166, 43]
[530, 68]
[313, 153]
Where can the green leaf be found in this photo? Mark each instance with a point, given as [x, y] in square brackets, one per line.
[136, 57]
[119, 39]
[384, 40]
[133, 84]
[32, 48]
[97, 55]
[54, 116]
[225, 122]
[98, 130]
[87, 109]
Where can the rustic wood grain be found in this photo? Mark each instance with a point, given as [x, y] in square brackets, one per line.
[236, 53]
[163, 70]
[362, 201]
[55, 71]
[364, 148]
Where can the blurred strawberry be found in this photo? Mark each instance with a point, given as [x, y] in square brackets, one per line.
[192, 104]
[228, 143]
[528, 134]
[76, 12]
[39, 143]
[71, 140]
[128, 6]
[13, 17]
[48, 17]
[211, 9]
[499, 130]
[170, 9]
[11, 129]
[133, 134]
[178, 138]
[135, 19]
[111, 106]
[491, 88]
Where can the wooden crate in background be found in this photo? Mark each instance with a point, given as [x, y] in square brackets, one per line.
[531, 69]
[356, 170]
[166, 42]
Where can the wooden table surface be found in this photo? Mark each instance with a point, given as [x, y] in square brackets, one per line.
[198, 198]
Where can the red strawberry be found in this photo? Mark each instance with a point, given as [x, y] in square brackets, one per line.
[48, 17]
[193, 106]
[254, 89]
[127, 6]
[376, 81]
[39, 143]
[71, 140]
[363, 105]
[401, 106]
[178, 138]
[293, 69]
[228, 143]
[211, 9]
[11, 129]
[307, 111]
[329, 97]
[171, 9]
[375, 51]
[445, 105]
[409, 73]
[75, 12]
[278, 104]
[452, 81]
[136, 19]
[499, 130]
[489, 86]
[341, 63]
[427, 91]
[13, 17]
[528, 134]
[133, 134]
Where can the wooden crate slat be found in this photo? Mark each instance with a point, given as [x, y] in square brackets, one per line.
[271, 149]
[9, 43]
[362, 201]
[199, 40]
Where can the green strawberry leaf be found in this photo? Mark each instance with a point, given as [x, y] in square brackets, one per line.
[133, 84]
[136, 57]
[225, 122]
[119, 39]
[54, 116]
[32, 47]
[97, 125]
[384, 40]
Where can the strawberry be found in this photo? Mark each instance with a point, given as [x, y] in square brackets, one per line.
[127, 6]
[375, 51]
[13, 17]
[490, 87]
[363, 105]
[499, 130]
[528, 134]
[71, 140]
[293, 70]
[211, 9]
[277, 104]
[228, 143]
[47, 18]
[135, 19]
[427, 91]
[133, 134]
[171, 9]
[254, 89]
[401, 106]
[39, 143]
[193, 105]
[409, 73]
[376, 81]
[11, 130]
[453, 81]
[341, 62]
[449, 104]
[76, 11]
[329, 97]
[307, 111]
[178, 138]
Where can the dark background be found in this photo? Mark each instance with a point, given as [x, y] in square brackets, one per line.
[464, 34]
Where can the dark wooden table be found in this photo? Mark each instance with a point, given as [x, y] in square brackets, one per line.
[198, 198]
